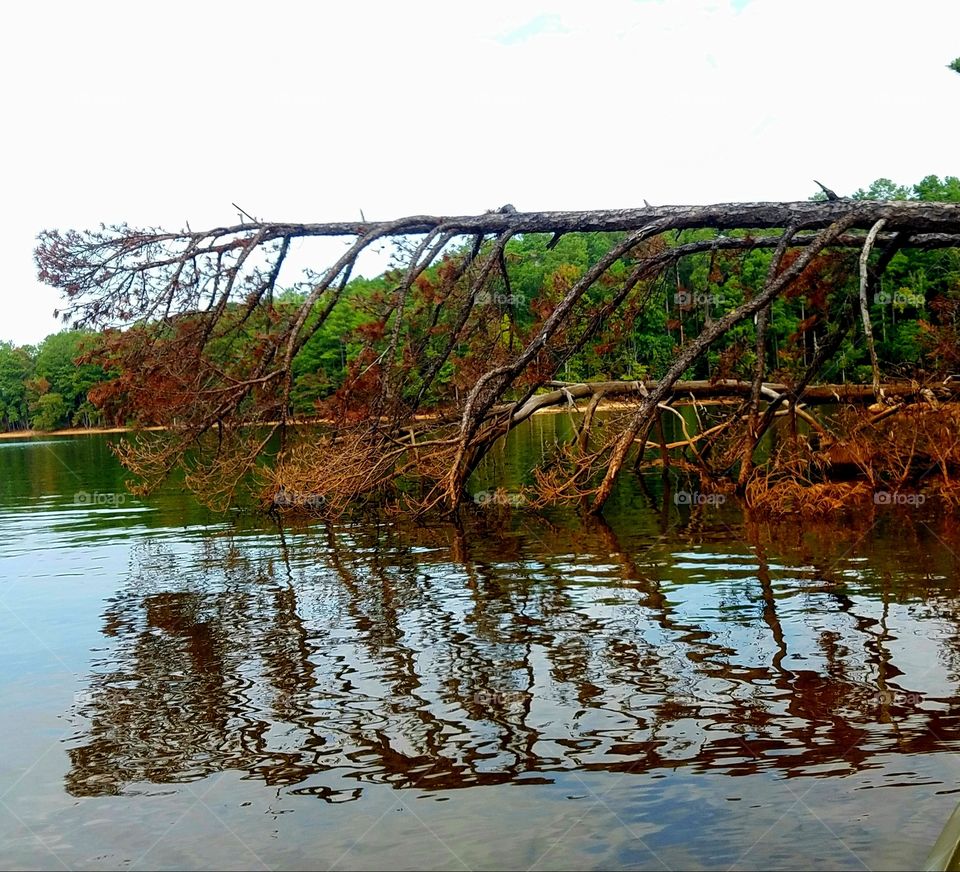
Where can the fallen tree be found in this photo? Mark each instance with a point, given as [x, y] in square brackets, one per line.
[204, 345]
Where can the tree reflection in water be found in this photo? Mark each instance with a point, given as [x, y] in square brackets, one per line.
[326, 658]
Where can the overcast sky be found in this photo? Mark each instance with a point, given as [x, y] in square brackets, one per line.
[160, 113]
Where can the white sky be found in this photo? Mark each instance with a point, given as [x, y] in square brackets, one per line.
[157, 113]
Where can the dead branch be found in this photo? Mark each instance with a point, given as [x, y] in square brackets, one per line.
[865, 304]
[204, 347]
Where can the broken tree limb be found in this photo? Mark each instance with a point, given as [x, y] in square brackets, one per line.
[865, 303]
[717, 389]
[760, 365]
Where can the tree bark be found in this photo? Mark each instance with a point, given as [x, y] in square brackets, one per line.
[865, 303]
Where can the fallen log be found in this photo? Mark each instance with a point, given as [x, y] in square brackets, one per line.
[703, 389]
[433, 342]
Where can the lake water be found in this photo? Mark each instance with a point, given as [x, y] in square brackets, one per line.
[671, 688]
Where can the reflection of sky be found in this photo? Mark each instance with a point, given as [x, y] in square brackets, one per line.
[10, 443]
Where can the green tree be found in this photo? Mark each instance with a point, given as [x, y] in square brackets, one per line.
[16, 366]
[56, 362]
[884, 189]
[321, 366]
[50, 412]
[45, 387]
[933, 189]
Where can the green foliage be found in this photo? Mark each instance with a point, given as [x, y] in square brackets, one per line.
[322, 364]
[933, 189]
[884, 189]
[49, 411]
[56, 361]
[45, 387]
[16, 366]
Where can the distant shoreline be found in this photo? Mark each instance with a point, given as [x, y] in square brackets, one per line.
[69, 431]
[94, 431]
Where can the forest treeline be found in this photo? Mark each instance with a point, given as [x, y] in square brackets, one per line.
[914, 311]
